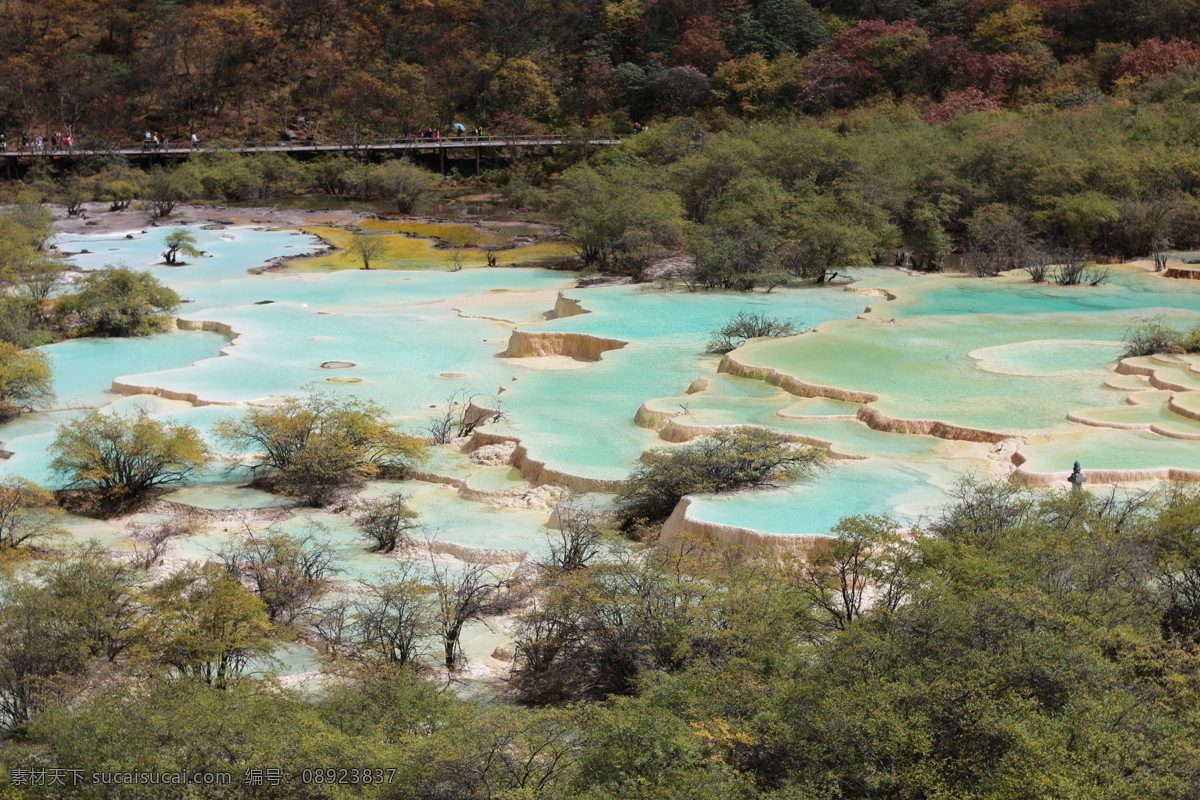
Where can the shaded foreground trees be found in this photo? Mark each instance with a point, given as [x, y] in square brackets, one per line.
[595, 629]
[1022, 644]
[970, 661]
[55, 622]
[411, 738]
[204, 624]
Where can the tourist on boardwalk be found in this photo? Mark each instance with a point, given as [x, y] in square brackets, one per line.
[69, 142]
[147, 140]
[3, 143]
[195, 141]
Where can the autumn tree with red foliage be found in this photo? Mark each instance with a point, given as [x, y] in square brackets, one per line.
[958, 102]
[701, 45]
[950, 66]
[1155, 58]
[871, 58]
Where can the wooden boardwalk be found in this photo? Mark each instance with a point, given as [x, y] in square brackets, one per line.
[425, 145]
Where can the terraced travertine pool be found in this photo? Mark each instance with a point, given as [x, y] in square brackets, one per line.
[950, 375]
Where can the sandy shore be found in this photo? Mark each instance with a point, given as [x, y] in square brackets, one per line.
[96, 218]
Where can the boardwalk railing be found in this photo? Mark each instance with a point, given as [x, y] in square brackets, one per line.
[313, 146]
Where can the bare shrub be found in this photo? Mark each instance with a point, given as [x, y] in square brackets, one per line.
[1074, 270]
[387, 524]
[460, 418]
[744, 325]
[1038, 264]
[463, 594]
[983, 263]
[393, 619]
[151, 541]
[578, 538]
[1151, 335]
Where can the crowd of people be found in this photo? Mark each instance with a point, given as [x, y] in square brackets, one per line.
[65, 143]
[153, 140]
[433, 133]
[54, 143]
[157, 141]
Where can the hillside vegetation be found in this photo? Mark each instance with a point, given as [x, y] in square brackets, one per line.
[109, 70]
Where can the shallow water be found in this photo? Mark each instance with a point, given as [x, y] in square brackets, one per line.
[497, 479]
[1000, 355]
[288, 658]
[667, 333]
[922, 368]
[1111, 449]
[219, 498]
[1048, 357]
[82, 367]
[1128, 289]
[849, 488]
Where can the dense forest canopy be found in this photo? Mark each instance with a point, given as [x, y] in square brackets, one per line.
[107, 70]
[761, 204]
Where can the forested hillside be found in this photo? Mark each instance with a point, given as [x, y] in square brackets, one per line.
[102, 69]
